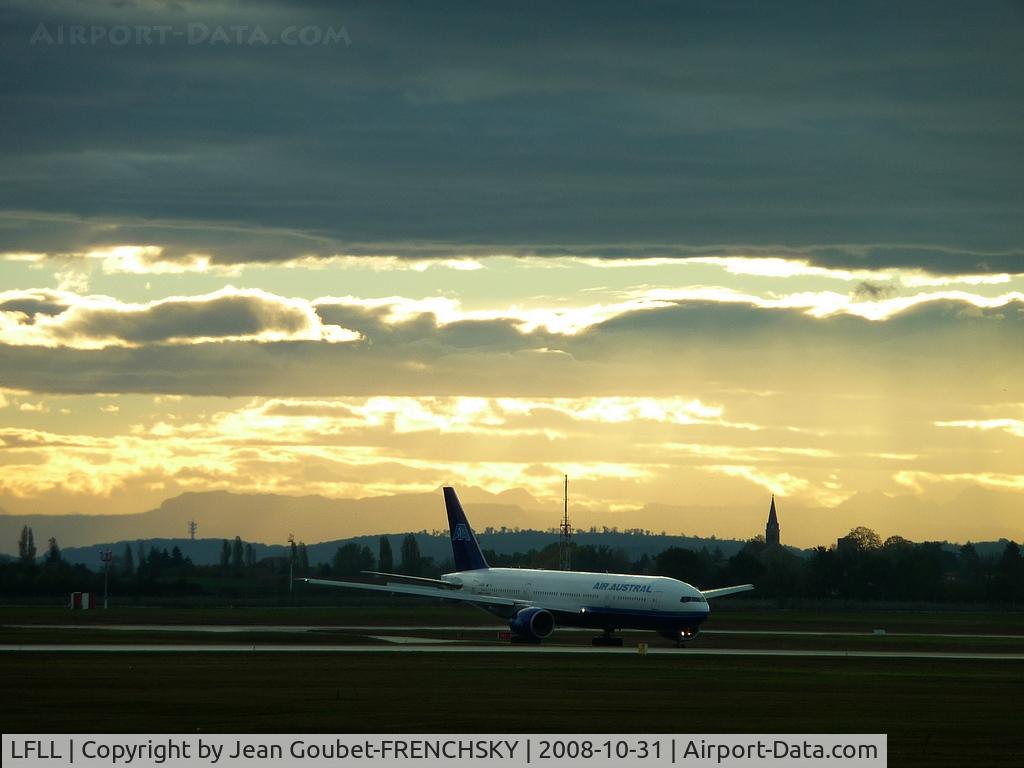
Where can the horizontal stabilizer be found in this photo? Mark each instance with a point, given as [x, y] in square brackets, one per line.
[411, 589]
[423, 581]
[710, 594]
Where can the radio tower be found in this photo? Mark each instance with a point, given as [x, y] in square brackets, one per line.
[565, 542]
[193, 526]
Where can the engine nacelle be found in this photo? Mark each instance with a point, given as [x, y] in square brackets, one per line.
[534, 624]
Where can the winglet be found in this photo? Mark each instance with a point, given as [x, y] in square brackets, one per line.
[465, 549]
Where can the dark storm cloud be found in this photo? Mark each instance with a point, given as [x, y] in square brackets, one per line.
[686, 347]
[227, 244]
[715, 323]
[234, 244]
[53, 318]
[499, 335]
[937, 260]
[574, 128]
[239, 315]
[33, 302]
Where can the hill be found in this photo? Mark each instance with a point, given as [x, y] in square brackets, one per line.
[267, 518]
[437, 546]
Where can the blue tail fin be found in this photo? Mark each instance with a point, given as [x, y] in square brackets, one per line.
[466, 551]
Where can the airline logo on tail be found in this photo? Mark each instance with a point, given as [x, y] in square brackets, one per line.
[461, 533]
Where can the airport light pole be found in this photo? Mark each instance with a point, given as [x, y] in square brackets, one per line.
[106, 556]
[291, 563]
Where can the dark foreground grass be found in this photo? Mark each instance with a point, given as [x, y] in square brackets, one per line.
[986, 621]
[936, 713]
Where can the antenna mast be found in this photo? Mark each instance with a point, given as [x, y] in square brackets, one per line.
[192, 527]
[565, 541]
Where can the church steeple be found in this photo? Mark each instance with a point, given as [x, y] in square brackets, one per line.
[771, 530]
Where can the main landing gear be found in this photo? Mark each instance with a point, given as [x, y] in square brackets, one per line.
[607, 640]
[680, 636]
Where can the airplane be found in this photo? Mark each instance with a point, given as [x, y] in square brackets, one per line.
[534, 601]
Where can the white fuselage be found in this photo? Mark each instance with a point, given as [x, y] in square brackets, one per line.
[592, 599]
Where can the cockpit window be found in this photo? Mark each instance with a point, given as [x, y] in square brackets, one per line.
[692, 599]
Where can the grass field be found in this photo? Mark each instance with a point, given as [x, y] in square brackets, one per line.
[936, 712]
[945, 713]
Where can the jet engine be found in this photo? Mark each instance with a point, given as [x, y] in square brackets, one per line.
[533, 624]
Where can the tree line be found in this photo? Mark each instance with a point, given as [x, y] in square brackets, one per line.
[860, 566]
[148, 570]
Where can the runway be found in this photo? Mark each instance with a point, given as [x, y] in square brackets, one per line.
[284, 628]
[455, 647]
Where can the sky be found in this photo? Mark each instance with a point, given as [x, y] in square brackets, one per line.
[686, 253]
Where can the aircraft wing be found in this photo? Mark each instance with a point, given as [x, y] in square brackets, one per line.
[410, 589]
[709, 594]
[401, 577]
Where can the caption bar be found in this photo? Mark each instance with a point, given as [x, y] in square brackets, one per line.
[439, 751]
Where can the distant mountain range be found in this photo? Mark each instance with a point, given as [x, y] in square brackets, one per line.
[507, 523]
[264, 518]
[269, 519]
